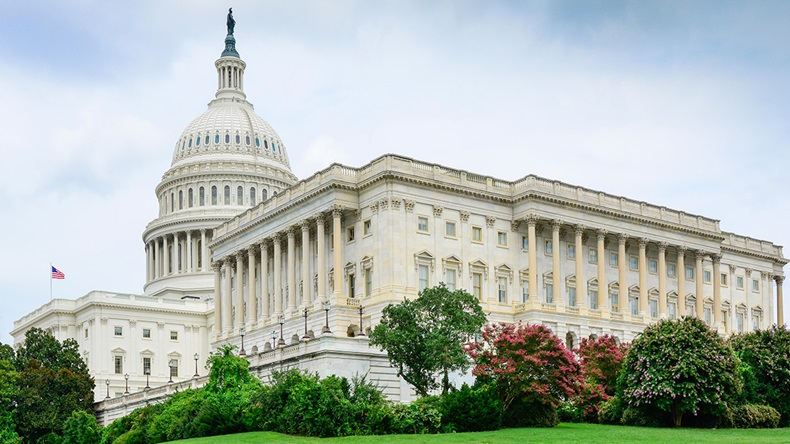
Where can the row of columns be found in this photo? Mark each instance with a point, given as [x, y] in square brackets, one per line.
[162, 254]
[270, 312]
[581, 287]
[230, 77]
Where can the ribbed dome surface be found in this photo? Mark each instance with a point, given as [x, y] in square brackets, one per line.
[231, 127]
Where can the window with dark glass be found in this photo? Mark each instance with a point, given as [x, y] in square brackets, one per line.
[252, 195]
[227, 194]
[180, 199]
[240, 196]
[214, 195]
[191, 200]
[227, 138]
[202, 196]
[197, 141]
[247, 140]
[238, 139]
[216, 139]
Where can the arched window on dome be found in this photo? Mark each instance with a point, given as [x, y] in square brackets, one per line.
[183, 144]
[227, 194]
[172, 202]
[264, 195]
[190, 143]
[197, 140]
[252, 195]
[257, 142]
[207, 140]
[238, 139]
[227, 138]
[214, 195]
[247, 140]
[265, 144]
[240, 196]
[274, 194]
[202, 197]
[216, 139]
[191, 198]
[180, 199]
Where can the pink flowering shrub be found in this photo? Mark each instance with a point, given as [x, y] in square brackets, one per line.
[525, 363]
[601, 360]
[679, 367]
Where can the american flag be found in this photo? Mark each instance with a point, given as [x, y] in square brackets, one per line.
[57, 274]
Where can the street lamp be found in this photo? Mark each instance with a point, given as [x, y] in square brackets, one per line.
[107, 381]
[242, 332]
[274, 338]
[172, 364]
[126, 377]
[281, 342]
[305, 337]
[197, 356]
[361, 331]
[147, 372]
[326, 311]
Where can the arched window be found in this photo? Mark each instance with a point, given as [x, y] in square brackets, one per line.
[227, 138]
[202, 193]
[227, 194]
[266, 144]
[263, 195]
[207, 139]
[238, 139]
[240, 196]
[172, 202]
[190, 143]
[214, 195]
[257, 142]
[274, 194]
[180, 199]
[197, 141]
[247, 140]
[216, 139]
[252, 195]
[191, 201]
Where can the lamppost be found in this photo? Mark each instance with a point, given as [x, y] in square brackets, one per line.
[126, 377]
[274, 338]
[305, 337]
[147, 372]
[171, 364]
[197, 356]
[107, 381]
[281, 320]
[242, 332]
[361, 331]
[326, 312]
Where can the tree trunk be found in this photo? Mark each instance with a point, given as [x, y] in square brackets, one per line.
[445, 382]
[676, 413]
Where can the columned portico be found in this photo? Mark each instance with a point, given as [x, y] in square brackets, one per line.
[252, 288]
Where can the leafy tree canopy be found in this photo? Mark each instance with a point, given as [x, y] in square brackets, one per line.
[49, 352]
[228, 371]
[601, 359]
[424, 337]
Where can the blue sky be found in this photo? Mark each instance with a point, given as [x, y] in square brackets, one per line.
[681, 104]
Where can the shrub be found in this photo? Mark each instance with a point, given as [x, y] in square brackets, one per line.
[115, 429]
[641, 417]
[177, 420]
[81, 428]
[755, 416]
[530, 414]
[419, 417]
[611, 411]
[470, 410]
[570, 412]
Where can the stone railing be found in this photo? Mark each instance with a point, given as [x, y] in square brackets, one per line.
[111, 409]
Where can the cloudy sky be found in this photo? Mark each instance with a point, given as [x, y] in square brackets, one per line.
[682, 104]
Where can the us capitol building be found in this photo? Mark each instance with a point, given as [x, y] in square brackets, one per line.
[300, 270]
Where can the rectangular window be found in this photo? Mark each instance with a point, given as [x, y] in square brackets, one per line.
[571, 251]
[706, 276]
[633, 263]
[118, 365]
[755, 285]
[592, 256]
[524, 243]
[86, 333]
[549, 293]
[652, 266]
[174, 369]
[614, 303]
[633, 305]
[118, 331]
[174, 336]
[653, 308]
[501, 239]
[706, 315]
[450, 279]
[366, 227]
[524, 291]
[689, 272]
[147, 333]
[502, 289]
[477, 285]
[423, 271]
[350, 234]
[352, 285]
[368, 282]
[594, 299]
[572, 296]
[723, 279]
[739, 322]
[755, 322]
[449, 229]
[671, 270]
[146, 366]
[671, 310]
[477, 234]
[739, 282]
[613, 259]
[422, 224]
[549, 247]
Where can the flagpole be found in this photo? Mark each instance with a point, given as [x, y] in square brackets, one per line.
[50, 281]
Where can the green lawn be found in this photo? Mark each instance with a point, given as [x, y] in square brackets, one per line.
[564, 433]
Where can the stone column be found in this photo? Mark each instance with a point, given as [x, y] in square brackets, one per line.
[716, 290]
[603, 288]
[291, 271]
[147, 262]
[306, 283]
[226, 298]
[337, 218]
[643, 276]
[278, 283]
[265, 309]
[681, 274]
[321, 256]
[166, 268]
[533, 257]
[662, 280]
[239, 299]
[699, 254]
[581, 284]
[189, 252]
[204, 259]
[157, 259]
[780, 317]
[622, 262]
[556, 273]
[217, 266]
[252, 288]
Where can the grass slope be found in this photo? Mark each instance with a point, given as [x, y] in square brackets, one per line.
[564, 433]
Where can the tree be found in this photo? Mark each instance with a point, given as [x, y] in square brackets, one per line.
[81, 428]
[526, 363]
[601, 360]
[765, 368]
[679, 367]
[424, 337]
[49, 352]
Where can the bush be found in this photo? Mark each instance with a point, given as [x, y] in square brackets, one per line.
[177, 420]
[755, 416]
[420, 417]
[530, 414]
[81, 428]
[570, 412]
[611, 411]
[641, 417]
[116, 429]
[470, 410]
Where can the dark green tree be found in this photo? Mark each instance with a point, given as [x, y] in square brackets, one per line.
[81, 428]
[49, 352]
[424, 337]
[679, 367]
[8, 392]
